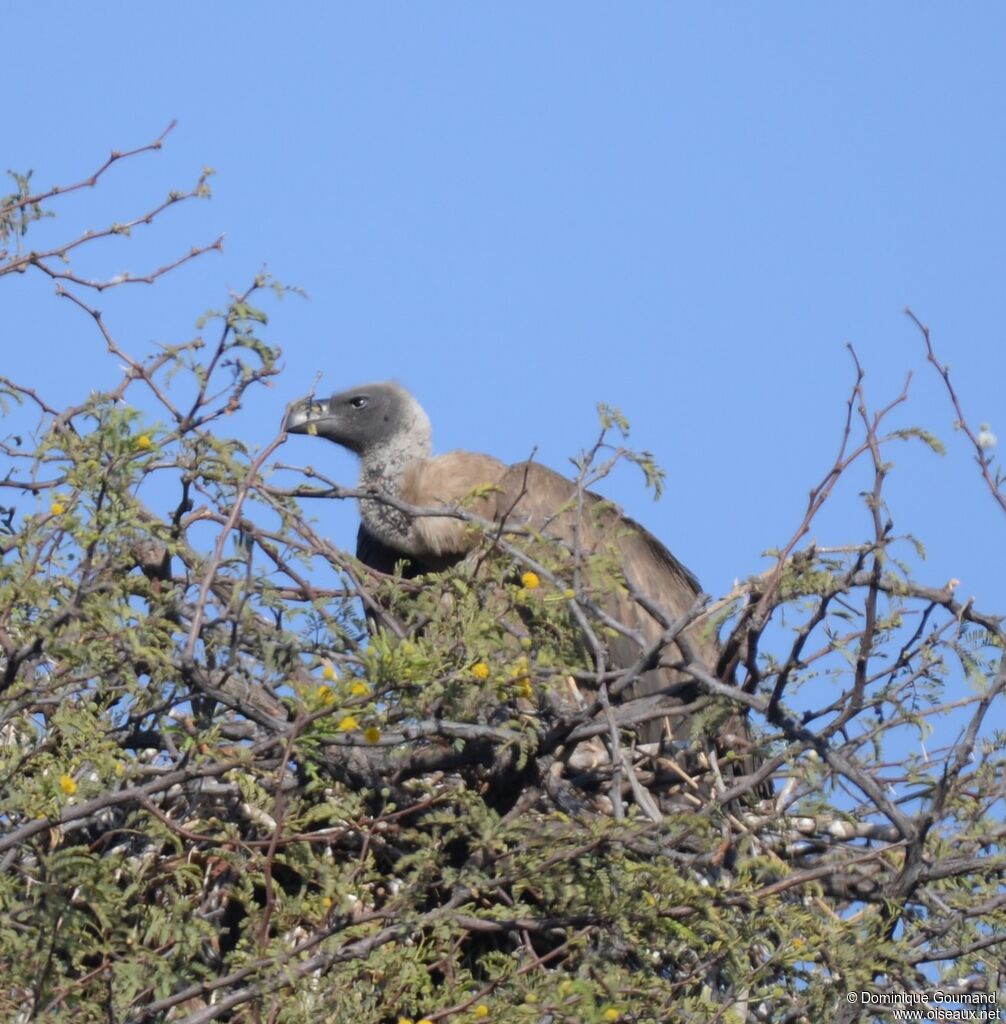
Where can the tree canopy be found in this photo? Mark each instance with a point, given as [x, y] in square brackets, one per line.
[243, 778]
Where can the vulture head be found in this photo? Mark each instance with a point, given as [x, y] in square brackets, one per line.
[371, 419]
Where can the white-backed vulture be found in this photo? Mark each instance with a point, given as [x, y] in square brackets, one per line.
[390, 432]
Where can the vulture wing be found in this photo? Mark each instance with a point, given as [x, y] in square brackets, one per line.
[546, 502]
[531, 496]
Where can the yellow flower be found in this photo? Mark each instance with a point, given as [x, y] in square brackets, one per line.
[372, 735]
[570, 593]
[329, 673]
[521, 677]
[68, 784]
[480, 670]
[530, 998]
[360, 689]
[349, 724]
[325, 694]
[612, 1014]
[481, 1010]
[143, 441]
[565, 987]
[424, 1020]
[401, 1020]
[57, 508]
[530, 580]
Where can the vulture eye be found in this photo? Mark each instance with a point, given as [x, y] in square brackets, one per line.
[359, 402]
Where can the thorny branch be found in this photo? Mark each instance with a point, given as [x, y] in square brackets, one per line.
[982, 456]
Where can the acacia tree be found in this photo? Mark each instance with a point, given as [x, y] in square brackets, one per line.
[244, 778]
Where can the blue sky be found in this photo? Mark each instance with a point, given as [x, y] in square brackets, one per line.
[520, 210]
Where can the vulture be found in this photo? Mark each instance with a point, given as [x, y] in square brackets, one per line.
[387, 428]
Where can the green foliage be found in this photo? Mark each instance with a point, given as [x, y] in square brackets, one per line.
[18, 210]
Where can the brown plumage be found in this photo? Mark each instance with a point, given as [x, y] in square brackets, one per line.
[388, 429]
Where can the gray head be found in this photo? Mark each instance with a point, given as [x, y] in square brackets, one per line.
[370, 419]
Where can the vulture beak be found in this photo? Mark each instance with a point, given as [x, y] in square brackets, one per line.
[305, 415]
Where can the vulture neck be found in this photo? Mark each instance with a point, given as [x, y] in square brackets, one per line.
[383, 467]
